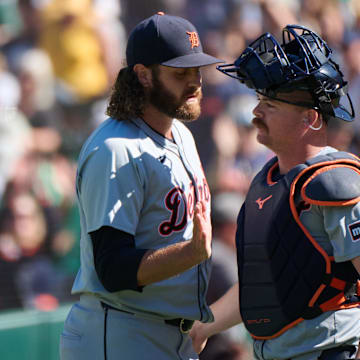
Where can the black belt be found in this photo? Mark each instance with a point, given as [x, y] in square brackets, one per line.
[343, 352]
[184, 325]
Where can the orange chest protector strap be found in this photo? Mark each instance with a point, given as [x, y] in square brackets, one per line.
[284, 275]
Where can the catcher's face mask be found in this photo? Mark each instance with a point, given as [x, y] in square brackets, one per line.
[302, 62]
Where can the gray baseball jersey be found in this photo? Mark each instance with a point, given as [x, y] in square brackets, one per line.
[135, 180]
[330, 226]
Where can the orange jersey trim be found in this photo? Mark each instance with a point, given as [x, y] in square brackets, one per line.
[269, 176]
[297, 219]
[287, 327]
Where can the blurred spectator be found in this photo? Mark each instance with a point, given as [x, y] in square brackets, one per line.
[23, 253]
[112, 34]
[209, 15]
[218, 90]
[352, 58]
[37, 83]
[238, 158]
[65, 251]
[277, 14]
[15, 131]
[310, 13]
[49, 176]
[245, 20]
[340, 136]
[354, 9]
[27, 36]
[225, 208]
[44, 171]
[137, 10]
[10, 22]
[69, 35]
[332, 28]
[58, 60]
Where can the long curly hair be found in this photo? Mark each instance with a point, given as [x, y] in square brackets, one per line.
[127, 97]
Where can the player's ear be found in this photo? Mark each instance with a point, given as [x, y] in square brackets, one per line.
[310, 117]
[144, 75]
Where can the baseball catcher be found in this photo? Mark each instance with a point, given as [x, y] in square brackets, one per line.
[298, 236]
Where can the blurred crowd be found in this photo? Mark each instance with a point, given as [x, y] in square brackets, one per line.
[58, 61]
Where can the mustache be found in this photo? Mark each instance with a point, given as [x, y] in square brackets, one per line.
[258, 122]
[194, 92]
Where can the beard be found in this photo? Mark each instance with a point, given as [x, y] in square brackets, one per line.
[166, 102]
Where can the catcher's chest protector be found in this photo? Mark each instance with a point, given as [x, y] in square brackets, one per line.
[284, 275]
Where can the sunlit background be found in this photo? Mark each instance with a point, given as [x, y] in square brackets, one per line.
[58, 61]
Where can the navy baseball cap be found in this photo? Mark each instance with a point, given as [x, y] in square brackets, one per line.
[166, 40]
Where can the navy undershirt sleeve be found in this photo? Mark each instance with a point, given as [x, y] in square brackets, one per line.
[116, 259]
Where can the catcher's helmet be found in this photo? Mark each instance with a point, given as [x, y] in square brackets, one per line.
[302, 62]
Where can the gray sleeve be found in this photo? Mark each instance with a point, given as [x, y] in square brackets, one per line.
[342, 225]
[112, 189]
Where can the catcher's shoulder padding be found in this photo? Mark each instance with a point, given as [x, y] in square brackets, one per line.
[336, 184]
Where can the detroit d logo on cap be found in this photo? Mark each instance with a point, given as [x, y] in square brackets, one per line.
[354, 229]
[193, 38]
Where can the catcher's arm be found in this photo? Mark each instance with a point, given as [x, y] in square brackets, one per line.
[227, 314]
